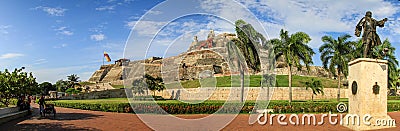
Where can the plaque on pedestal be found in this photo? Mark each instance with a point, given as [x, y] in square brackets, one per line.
[368, 95]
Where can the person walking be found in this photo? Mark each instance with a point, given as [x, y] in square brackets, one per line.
[41, 105]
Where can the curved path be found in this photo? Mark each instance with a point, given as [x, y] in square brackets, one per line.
[74, 119]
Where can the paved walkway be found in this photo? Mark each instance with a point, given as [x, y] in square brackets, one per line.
[74, 119]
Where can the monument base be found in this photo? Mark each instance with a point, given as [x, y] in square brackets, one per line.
[368, 82]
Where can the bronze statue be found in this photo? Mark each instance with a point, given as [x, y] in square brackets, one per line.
[369, 38]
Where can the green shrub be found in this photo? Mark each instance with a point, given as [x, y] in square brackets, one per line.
[393, 97]
[208, 107]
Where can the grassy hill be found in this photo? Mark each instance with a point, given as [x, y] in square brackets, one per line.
[281, 81]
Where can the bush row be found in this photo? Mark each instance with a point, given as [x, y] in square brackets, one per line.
[393, 98]
[208, 107]
[393, 106]
[303, 107]
[160, 108]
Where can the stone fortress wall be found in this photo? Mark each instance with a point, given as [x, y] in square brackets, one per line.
[220, 93]
[204, 58]
[223, 93]
[209, 54]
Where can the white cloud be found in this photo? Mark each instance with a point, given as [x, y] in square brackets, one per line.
[61, 46]
[40, 61]
[64, 31]
[98, 37]
[232, 11]
[146, 27]
[10, 55]
[99, 28]
[105, 8]
[57, 11]
[130, 24]
[318, 17]
[4, 29]
[154, 12]
[57, 73]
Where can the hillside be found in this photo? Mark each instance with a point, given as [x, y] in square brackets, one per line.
[207, 58]
[281, 81]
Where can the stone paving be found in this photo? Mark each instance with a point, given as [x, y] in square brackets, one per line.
[74, 119]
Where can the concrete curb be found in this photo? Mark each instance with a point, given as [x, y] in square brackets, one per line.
[11, 116]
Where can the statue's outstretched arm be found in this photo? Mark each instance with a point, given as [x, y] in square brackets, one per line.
[381, 23]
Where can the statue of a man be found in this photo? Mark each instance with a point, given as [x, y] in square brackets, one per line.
[369, 38]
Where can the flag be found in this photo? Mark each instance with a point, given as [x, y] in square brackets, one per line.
[107, 56]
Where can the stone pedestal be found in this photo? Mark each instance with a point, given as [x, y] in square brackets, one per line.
[368, 79]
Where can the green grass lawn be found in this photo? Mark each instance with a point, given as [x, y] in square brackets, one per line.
[84, 83]
[394, 101]
[109, 100]
[125, 100]
[281, 81]
[118, 86]
[206, 107]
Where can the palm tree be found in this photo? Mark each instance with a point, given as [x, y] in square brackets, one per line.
[316, 87]
[269, 81]
[358, 49]
[62, 85]
[386, 51]
[73, 80]
[395, 81]
[236, 57]
[335, 54]
[247, 41]
[139, 85]
[295, 51]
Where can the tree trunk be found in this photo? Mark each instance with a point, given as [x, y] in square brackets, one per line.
[290, 84]
[338, 94]
[312, 97]
[241, 83]
[268, 93]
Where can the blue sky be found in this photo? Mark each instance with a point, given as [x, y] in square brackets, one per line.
[54, 39]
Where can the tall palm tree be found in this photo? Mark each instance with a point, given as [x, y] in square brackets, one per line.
[247, 41]
[395, 81]
[386, 51]
[358, 49]
[295, 51]
[335, 55]
[73, 80]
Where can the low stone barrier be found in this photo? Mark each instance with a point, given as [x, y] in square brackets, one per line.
[114, 93]
[11, 113]
[220, 93]
[8, 110]
[234, 93]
